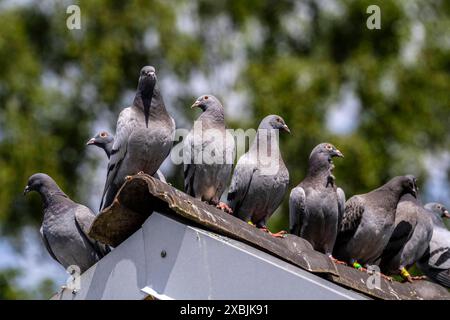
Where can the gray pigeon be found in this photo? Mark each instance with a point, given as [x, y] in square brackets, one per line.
[65, 226]
[105, 141]
[261, 178]
[435, 264]
[144, 136]
[410, 239]
[208, 153]
[368, 222]
[316, 205]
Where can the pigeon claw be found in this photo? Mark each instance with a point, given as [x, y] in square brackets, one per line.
[279, 234]
[337, 261]
[411, 279]
[387, 277]
[224, 207]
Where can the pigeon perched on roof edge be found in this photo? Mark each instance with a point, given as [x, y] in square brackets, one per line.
[209, 138]
[315, 206]
[256, 189]
[65, 225]
[144, 136]
[410, 239]
[435, 264]
[368, 222]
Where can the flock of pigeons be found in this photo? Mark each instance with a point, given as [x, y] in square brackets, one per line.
[387, 227]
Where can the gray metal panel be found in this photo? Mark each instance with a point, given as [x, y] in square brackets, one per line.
[119, 275]
[198, 265]
[203, 265]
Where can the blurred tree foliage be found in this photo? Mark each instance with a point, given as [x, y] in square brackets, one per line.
[10, 290]
[296, 59]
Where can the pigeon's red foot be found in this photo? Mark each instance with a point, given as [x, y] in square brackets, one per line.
[386, 277]
[279, 234]
[224, 207]
[410, 278]
[405, 275]
[337, 261]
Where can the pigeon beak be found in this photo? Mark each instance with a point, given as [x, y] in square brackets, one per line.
[26, 190]
[150, 74]
[90, 142]
[338, 153]
[196, 104]
[446, 214]
[285, 128]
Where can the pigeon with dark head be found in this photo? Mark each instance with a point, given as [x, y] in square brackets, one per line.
[209, 151]
[144, 136]
[105, 141]
[435, 263]
[260, 179]
[316, 205]
[369, 221]
[65, 226]
[410, 239]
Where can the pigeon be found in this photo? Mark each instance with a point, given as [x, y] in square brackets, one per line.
[260, 179]
[209, 151]
[144, 136]
[368, 222]
[435, 263]
[65, 226]
[105, 141]
[410, 240]
[316, 205]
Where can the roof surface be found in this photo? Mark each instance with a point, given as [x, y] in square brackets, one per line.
[142, 194]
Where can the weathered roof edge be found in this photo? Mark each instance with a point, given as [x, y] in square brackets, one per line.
[141, 194]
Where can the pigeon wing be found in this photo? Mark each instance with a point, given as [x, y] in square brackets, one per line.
[240, 183]
[354, 209]
[297, 209]
[84, 218]
[47, 245]
[125, 124]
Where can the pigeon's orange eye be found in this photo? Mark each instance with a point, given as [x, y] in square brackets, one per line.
[328, 146]
[278, 120]
[206, 97]
[103, 134]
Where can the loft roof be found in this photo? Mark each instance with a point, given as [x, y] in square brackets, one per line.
[142, 194]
